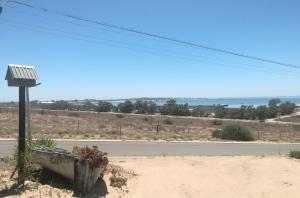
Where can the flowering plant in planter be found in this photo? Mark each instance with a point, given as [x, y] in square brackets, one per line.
[94, 156]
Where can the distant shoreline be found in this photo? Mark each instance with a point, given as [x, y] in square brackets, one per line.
[230, 102]
[199, 98]
[233, 102]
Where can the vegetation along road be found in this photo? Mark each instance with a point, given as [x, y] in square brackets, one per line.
[147, 148]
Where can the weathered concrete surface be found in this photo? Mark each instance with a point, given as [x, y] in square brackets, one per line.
[61, 163]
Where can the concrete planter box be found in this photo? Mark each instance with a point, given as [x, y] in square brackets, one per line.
[69, 166]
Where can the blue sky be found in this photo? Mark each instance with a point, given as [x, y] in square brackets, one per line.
[78, 60]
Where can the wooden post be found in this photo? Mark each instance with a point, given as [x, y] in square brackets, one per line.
[258, 129]
[22, 115]
[120, 129]
[279, 135]
[157, 128]
[28, 116]
[77, 127]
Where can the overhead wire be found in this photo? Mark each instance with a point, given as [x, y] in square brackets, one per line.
[128, 44]
[161, 37]
[83, 37]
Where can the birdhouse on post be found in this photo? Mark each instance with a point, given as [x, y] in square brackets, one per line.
[23, 77]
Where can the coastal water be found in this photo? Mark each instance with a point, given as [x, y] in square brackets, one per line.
[231, 102]
[235, 102]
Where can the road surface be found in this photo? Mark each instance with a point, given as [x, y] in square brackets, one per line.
[144, 148]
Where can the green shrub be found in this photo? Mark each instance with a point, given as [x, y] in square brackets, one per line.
[155, 138]
[27, 156]
[120, 115]
[114, 132]
[168, 121]
[30, 167]
[234, 132]
[217, 122]
[74, 114]
[216, 133]
[46, 142]
[126, 107]
[287, 108]
[104, 106]
[295, 154]
[172, 108]
[117, 182]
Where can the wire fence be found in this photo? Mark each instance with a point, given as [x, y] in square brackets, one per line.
[119, 126]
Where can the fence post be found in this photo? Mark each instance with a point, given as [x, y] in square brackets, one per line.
[77, 127]
[120, 129]
[157, 127]
[279, 135]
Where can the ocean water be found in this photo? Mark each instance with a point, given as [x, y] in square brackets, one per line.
[231, 102]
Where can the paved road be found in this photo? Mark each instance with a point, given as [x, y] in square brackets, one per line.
[139, 148]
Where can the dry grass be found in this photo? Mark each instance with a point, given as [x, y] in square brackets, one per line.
[109, 126]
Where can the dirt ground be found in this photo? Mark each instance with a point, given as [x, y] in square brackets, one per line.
[214, 177]
[80, 125]
[194, 177]
[53, 185]
[295, 119]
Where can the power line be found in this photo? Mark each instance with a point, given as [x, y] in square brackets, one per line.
[88, 38]
[1, 8]
[141, 48]
[174, 40]
[129, 44]
[85, 25]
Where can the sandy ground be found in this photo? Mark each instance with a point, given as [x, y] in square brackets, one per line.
[213, 177]
[226, 177]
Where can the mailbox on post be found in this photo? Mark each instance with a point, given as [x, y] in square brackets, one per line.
[23, 77]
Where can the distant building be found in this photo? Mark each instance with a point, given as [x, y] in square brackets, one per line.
[46, 102]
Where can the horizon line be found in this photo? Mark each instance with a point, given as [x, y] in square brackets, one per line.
[135, 98]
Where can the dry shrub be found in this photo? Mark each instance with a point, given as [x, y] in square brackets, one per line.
[119, 115]
[117, 180]
[217, 122]
[168, 121]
